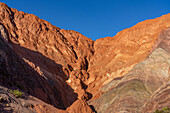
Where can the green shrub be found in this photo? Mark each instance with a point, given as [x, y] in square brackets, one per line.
[164, 110]
[0, 98]
[16, 93]
[7, 105]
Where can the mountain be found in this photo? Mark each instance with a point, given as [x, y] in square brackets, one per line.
[63, 71]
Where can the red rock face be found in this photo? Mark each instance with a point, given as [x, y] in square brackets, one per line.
[80, 106]
[57, 53]
[66, 69]
[16, 73]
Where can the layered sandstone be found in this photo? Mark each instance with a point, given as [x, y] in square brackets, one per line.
[129, 93]
[115, 56]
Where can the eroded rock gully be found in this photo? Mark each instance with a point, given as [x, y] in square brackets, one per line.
[73, 73]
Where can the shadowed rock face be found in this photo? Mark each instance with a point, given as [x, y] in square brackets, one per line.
[16, 73]
[27, 104]
[53, 54]
[58, 54]
[69, 71]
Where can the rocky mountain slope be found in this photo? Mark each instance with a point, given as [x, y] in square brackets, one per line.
[63, 71]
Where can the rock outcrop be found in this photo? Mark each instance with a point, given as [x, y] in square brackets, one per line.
[80, 106]
[27, 104]
[125, 73]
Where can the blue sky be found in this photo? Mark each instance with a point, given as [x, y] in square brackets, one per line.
[93, 18]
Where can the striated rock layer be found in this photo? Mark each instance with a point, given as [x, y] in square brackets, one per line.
[125, 73]
[114, 57]
[129, 93]
[160, 99]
